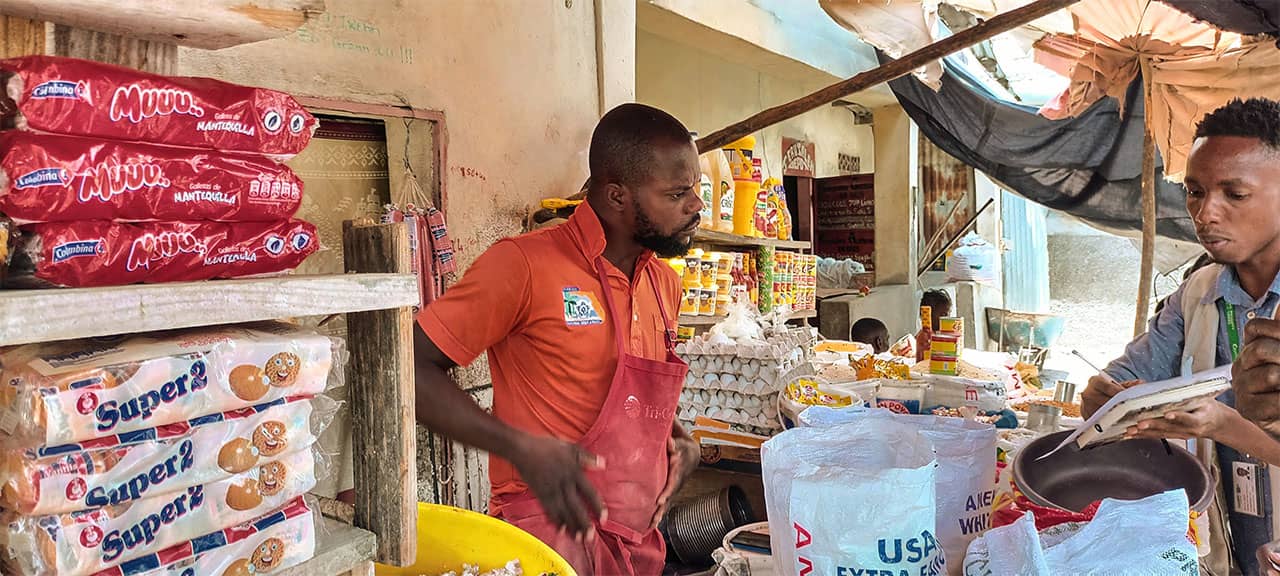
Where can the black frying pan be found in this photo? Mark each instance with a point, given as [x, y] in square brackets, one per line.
[1072, 478]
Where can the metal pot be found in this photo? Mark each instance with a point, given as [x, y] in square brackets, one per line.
[1072, 478]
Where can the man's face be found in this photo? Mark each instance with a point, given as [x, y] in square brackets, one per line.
[666, 206]
[1233, 196]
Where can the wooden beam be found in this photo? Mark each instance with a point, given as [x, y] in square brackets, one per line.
[146, 55]
[209, 24]
[881, 74]
[383, 429]
[923, 267]
[1145, 275]
[21, 37]
[47, 315]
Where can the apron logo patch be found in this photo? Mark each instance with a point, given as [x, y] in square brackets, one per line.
[635, 410]
[581, 308]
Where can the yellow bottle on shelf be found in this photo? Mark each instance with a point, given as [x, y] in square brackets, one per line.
[745, 188]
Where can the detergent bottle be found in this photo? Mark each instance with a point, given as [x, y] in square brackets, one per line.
[723, 181]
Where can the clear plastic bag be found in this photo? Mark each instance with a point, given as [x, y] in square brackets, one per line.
[159, 461]
[851, 498]
[74, 391]
[88, 541]
[1138, 537]
[271, 543]
[976, 260]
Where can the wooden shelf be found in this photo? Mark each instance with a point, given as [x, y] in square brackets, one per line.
[686, 320]
[340, 548]
[725, 239]
[58, 314]
[209, 24]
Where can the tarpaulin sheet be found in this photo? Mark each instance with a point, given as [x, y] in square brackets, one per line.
[1241, 16]
[1088, 165]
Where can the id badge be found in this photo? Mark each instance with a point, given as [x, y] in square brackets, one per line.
[1248, 488]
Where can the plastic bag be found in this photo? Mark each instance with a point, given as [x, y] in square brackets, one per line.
[77, 390]
[149, 463]
[47, 177]
[966, 475]
[1014, 549]
[89, 541]
[85, 98]
[92, 253]
[975, 260]
[851, 498]
[1138, 537]
[266, 545]
[834, 273]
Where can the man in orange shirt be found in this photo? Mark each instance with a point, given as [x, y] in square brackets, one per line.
[579, 324]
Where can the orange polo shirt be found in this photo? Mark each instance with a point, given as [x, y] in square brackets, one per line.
[534, 303]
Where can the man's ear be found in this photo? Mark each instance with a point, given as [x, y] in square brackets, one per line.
[618, 196]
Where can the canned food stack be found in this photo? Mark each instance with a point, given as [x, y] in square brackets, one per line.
[158, 454]
[709, 281]
[946, 346]
[119, 176]
[795, 281]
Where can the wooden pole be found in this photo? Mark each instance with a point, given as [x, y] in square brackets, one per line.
[955, 238]
[881, 74]
[380, 373]
[1148, 208]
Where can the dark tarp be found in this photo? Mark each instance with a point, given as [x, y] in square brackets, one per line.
[1240, 16]
[1088, 166]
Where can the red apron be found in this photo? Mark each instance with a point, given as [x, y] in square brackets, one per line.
[631, 435]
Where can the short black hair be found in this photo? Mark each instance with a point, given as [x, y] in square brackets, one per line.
[936, 299]
[1253, 118]
[865, 330]
[623, 143]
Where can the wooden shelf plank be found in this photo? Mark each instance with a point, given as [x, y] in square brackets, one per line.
[724, 239]
[209, 24]
[686, 320]
[340, 548]
[58, 314]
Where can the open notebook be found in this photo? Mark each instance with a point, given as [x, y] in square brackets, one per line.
[1147, 401]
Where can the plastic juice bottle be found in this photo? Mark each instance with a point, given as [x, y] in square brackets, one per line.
[724, 191]
[707, 192]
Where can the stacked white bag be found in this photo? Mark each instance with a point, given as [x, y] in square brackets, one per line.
[966, 475]
[852, 499]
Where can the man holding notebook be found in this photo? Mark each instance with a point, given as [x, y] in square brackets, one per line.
[1233, 196]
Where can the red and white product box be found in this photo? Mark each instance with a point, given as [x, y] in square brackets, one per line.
[84, 98]
[98, 253]
[52, 178]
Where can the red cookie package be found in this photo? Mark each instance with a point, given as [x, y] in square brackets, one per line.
[98, 253]
[84, 98]
[52, 178]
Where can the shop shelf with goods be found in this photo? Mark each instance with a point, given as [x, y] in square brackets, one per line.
[378, 296]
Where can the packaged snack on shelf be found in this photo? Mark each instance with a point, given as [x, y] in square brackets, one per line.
[765, 272]
[271, 543]
[96, 253]
[51, 178]
[84, 98]
[81, 543]
[158, 461]
[78, 390]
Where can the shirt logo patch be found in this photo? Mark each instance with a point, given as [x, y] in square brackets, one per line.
[581, 308]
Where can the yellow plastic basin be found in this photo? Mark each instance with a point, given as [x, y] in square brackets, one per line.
[448, 537]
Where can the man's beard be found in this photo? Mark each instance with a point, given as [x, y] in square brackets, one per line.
[664, 246]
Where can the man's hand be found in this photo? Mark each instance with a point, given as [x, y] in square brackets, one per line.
[1101, 388]
[683, 454]
[555, 472]
[1207, 418]
[1256, 375]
